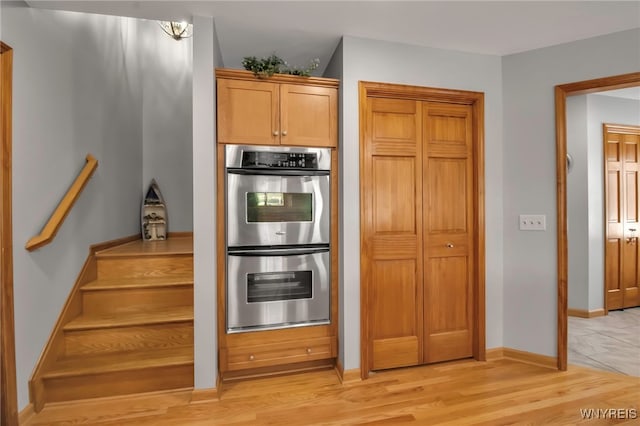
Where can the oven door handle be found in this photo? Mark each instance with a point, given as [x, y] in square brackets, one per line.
[279, 252]
[277, 172]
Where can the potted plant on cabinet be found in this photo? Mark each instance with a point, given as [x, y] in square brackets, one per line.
[266, 67]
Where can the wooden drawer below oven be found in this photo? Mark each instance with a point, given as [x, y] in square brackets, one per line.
[288, 352]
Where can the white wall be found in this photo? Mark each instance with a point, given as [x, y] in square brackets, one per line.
[577, 203]
[76, 90]
[167, 121]
[397, 63]
[206, 55]
[530, 270]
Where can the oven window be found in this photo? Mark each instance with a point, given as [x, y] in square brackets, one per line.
[279, 207]
[278, 286]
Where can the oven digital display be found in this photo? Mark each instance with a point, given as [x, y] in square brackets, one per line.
[279, 207]
[279, 286]
[281, 160]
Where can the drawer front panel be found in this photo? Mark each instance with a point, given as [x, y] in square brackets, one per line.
[280, 353]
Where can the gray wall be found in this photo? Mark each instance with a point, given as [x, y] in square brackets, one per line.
[577, 202]
[585, 192]
[206, 56]
[117, 88]
[397, 63]
[167, 121]
[530, 271]
[335, 69]
[601, 109]
[76, 90]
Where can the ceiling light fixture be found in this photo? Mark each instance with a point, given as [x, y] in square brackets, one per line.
[177, 30]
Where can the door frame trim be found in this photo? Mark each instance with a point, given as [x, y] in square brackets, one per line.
[561, 93]
[8, 391]
[418, 93]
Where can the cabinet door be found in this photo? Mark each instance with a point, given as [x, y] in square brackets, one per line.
[248, 112]
[308, 115]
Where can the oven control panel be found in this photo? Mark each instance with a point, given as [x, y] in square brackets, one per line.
[281, 160]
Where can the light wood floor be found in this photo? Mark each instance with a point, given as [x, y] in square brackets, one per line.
[500, 392]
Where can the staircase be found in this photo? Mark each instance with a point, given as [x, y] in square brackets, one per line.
[133, 328]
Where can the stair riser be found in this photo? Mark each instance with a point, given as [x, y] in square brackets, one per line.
[114, 301]
[156, 336]
[144, 266]
[118, 383]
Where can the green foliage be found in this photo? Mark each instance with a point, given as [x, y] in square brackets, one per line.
[306, 72]
[266, 67]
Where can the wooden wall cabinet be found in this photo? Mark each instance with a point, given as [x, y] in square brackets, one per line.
[280, 110]
[250, 111]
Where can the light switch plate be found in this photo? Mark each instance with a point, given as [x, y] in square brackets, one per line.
[533, 222]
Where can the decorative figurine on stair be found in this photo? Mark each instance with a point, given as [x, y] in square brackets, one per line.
[154, 214]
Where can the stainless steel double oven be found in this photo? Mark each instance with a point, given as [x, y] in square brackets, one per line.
[278, 234]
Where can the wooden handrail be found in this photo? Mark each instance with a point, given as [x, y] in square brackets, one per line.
[55, 221]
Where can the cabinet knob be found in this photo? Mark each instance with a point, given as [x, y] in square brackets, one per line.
[449, 245]
[251, 357]
[275, 133]
[308, 350]
[284, 133]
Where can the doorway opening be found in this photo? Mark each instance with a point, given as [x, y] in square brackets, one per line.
[561, 93]
[602, 216]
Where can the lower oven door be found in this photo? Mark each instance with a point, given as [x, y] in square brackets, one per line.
[269, 289]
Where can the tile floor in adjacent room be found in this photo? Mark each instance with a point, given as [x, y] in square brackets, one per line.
[610, 343]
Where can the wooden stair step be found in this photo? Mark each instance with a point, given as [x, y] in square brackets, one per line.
[123, 318]
[169, 247]
[144, 266]
[138, 282]
[129, 338]
[72, 366]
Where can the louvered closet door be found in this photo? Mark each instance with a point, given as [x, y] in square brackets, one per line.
[392, 232]
[448, 231]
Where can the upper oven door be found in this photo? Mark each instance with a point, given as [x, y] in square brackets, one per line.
[268, 209]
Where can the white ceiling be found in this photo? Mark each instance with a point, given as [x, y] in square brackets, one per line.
[302, 30]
